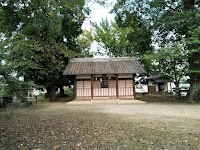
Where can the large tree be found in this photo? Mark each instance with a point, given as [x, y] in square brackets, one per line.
[40, 37]
[171, 21]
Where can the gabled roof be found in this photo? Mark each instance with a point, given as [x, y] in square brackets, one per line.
[115, 65]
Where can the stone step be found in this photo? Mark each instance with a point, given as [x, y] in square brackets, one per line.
[104, 101]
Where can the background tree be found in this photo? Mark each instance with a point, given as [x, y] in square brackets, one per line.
[10, 83]
[84, 41]
[113, 39]
[127, 36]
[171, 21]
[171, 60]
[40, 37]
[139, 35]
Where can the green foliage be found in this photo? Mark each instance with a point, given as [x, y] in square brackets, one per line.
[113, 39]
[171, 22]
[165, 17]
[40, 37]
[123, 38]
[193, 44]
[84, 42]
[171, 60]
[68, 91]
[9, 80]
[128, 35]
[11, 85]
[3, 91]
[139, 35]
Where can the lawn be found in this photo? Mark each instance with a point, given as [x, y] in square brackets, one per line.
[136, 126]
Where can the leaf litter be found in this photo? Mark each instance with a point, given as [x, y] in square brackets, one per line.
[63, 128]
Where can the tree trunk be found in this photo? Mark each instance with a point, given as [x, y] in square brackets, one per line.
[62, 92]
[194, 74]
[194, 93]
[51, 92]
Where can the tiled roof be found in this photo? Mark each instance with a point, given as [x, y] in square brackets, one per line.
[115, 65]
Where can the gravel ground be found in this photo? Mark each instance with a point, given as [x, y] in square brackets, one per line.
[136, 126]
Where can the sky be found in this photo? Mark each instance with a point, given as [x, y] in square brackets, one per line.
[98, 13]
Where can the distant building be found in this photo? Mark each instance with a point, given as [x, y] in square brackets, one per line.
[158, 84]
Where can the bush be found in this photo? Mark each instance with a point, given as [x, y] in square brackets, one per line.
[68, 91]
[3, 91]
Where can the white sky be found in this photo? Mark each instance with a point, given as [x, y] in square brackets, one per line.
[98, 13]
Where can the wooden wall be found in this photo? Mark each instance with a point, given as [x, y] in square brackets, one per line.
[125, 88]
[83, 89]
[105, 92]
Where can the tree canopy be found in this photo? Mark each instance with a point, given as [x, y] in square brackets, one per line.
[127, 36]
[39, 37]
[113, 39]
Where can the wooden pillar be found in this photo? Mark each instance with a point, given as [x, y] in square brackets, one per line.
[92, 87]
[75, 88]
[134, 86]
[117, 86]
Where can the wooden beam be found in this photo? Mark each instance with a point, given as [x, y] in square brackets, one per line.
[92, 87]
[134, 85]
[117, 86]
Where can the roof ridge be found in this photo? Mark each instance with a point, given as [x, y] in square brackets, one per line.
[102, 59]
